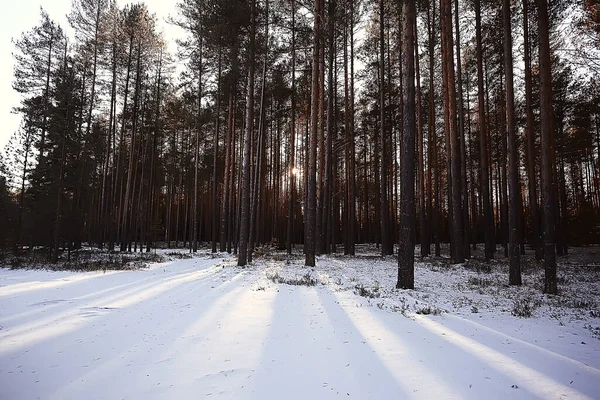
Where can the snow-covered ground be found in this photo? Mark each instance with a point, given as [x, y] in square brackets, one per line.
[203, 328]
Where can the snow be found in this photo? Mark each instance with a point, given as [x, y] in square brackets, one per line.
[204, 328]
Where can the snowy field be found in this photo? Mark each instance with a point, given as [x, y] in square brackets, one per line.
[202, 328]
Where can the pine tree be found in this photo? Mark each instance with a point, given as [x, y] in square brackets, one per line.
[406, 257]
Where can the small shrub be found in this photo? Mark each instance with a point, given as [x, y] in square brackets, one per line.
[524, 307]
[363, 291]
[595, 330]
[579, 303]
[274, 277]
[260, 251]
[428, 310]
[402, 308]
[179, 255]
[474, 310]
[478, 281]
[16, 263]
[304, 280]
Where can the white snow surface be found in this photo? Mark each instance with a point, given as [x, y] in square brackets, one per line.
[202, 328]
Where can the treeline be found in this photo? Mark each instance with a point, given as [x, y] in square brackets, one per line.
[326, 124]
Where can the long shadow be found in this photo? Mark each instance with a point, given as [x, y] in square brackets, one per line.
[152, 279]
[397, 357]
[81, 290]
[217, 355]
[70, 310]
[118, 341]
[81, 277]
[55, 325]
[313, 351]
[30, 286]
[541, 372]
[149, 357]
[57, 304]
[456, 354]
[455, 320]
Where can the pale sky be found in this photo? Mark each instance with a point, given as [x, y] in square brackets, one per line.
[18, 16]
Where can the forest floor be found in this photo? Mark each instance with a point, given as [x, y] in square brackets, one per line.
[201, 327]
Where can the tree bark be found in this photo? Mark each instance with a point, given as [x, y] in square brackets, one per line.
[423, 228]
[351, 168]
[513, 162]
[386, 242]
[547, 131]
[488, 222]
[406, 259]
[245, 195]
[312, 153]
[461, 137]
[536, 241]
[215, 207]
[328, 184]
[292, 155]
[457, 228]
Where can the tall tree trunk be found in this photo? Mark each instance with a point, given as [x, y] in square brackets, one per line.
[536, 241]
[292, 155]
[104, 201]
[347, 146]
[129, 183]
[59, 196]
[352, 169]
[232, 183]
[433, 172]
[60, 183]
[26, 150]
[120, 159]
[461, 137]
[197, 149]
[457, 228]
[474, 206]
[215, 207]
[547, 131]
[423, 229]
[226, 206]
[406, 257]
[488, 222]
[312, 154]
[151, 203]
[245, 195]
[328, 185]
[321, 136]
[260, 157]
[513, 162]
[83, 173]
[386, 242]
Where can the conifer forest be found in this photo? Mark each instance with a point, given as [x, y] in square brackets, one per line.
[310, 126]
[300, 199]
